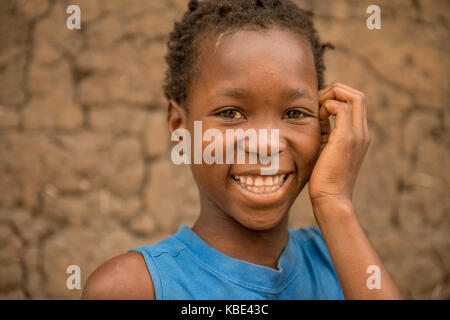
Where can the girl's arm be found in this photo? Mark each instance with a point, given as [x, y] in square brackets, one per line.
[331, 187]
[351, 252]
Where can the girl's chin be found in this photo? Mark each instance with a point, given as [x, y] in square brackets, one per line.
[260, 220]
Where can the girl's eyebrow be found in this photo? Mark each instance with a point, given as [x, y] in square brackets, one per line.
[240, 93]
[237, 93]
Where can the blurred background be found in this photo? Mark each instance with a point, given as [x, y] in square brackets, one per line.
[85, 169]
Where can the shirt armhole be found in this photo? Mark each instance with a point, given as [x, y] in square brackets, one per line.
[154, 272]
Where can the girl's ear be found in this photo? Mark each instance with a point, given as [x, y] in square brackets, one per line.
[176, 116]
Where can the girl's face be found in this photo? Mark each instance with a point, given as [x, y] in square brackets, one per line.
[256, 80]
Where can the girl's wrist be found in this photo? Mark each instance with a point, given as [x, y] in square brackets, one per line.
[332, 208]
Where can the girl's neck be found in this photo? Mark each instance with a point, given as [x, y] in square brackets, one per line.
[225, 234]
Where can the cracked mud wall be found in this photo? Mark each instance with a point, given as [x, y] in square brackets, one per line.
[85, 170]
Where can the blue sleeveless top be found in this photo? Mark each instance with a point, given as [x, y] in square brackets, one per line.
[184, 266]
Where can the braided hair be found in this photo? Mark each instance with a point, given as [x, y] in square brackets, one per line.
[211, 17]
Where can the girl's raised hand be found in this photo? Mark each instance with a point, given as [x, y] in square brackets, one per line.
[344, 148]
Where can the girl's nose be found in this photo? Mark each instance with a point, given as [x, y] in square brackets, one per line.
[267, 143]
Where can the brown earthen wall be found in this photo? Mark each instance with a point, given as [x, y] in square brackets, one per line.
[85, 170]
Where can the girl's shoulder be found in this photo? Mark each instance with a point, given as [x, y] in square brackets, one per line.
[122, 277]
[127, 276]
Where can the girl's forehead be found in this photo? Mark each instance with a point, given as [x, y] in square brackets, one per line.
[272, 40]
[247, 54]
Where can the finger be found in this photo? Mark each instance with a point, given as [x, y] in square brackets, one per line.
[339, 109]
[339, 92]
[353, 97]
[323, 113]
[343, 86]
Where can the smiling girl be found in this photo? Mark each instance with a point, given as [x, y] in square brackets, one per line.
[257, 64]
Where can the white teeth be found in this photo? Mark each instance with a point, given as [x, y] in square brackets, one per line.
[268, 181]
[259, 181]
[276, 180]
[262, 184]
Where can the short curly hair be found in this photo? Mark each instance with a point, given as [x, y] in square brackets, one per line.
[211, 17]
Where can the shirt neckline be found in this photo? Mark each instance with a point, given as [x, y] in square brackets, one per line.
[243, 272]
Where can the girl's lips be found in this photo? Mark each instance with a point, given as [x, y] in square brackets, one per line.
[262, 196]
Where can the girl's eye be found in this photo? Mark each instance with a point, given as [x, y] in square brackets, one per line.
[231, 114]
[293, 114]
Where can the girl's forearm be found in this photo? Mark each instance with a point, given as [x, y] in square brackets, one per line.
[351, 252]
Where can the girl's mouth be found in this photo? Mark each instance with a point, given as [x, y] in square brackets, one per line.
[261, 184]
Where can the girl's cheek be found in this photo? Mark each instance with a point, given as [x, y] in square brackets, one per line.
[307, 151]
[309, 144]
